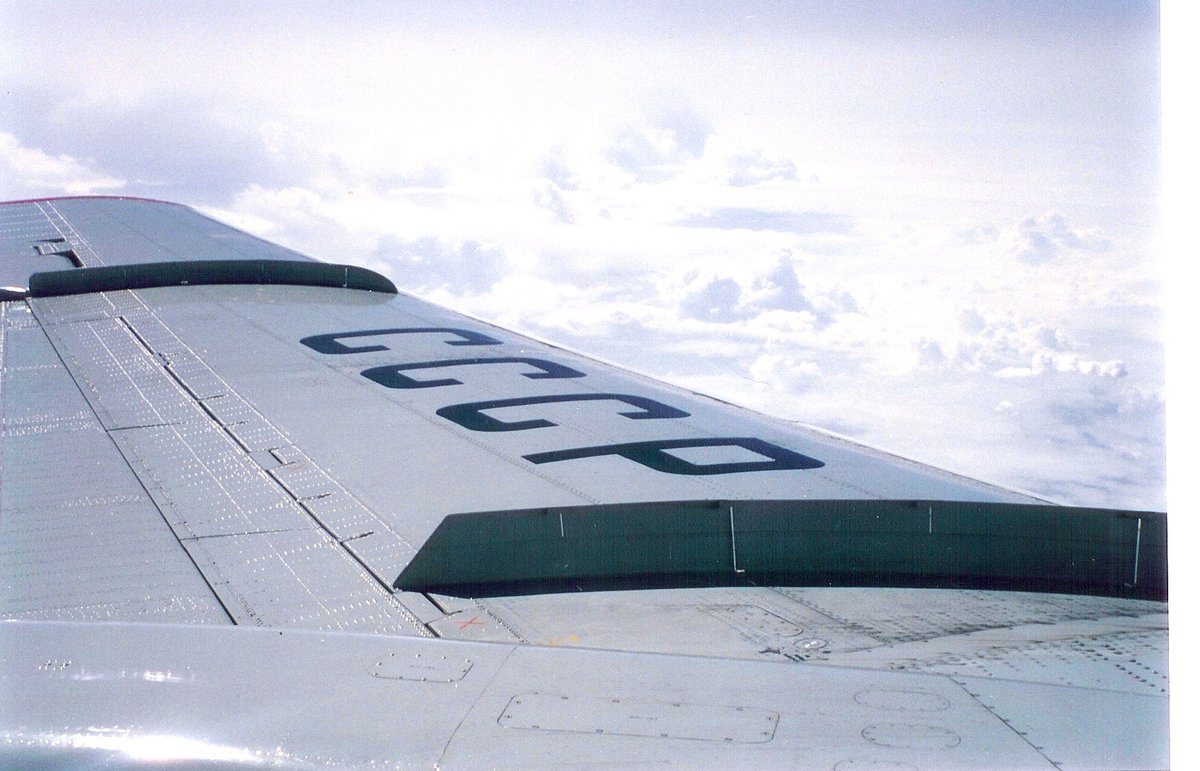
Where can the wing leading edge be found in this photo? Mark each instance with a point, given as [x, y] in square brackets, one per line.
[202, 428]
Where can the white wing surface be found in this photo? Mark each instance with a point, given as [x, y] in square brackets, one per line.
[260, 510]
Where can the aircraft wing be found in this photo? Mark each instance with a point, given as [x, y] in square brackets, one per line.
[266, 511]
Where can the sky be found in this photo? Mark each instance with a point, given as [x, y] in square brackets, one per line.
[932, 227]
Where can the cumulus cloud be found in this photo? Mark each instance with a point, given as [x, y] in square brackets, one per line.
[780, 288]
[713, 298]
[428, 264]
[653, 150]
[1048, 237]
[745, 169]
[554, 168]
[1111, 432]
[743, 218]
[1047, 361]
[26, 169]
[171, 143]
[770, 294]
[1007, 346]
[549, 197]
[783, 372]
[929, 353]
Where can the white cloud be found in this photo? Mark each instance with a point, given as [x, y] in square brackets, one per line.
[747, 218]
[755, 167]
[28, 171]
[426, 264]
[1046, 238]
[713, 299]
[657, 147]
[1006, 345]
[781, 372]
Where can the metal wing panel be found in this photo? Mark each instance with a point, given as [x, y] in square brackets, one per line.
[29, 243]
[122, 383]
[374, 701]
[257, 539]
[110, 231]
[79, 537]
[385, 419]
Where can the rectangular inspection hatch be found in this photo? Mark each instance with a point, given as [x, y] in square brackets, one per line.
[422, 668]
[625, 717]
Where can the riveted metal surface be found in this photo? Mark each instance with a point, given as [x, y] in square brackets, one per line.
[84, 307]
[104, 558]
[466, 619]
[1053, 638]
[1119, 645]
[243, 422]
[1079, 728]
[159, 681]
[79, 538]
[67, 227]
[625, 717]
[124, 383]
[379, 550]
[113, 232]
[303, 478]
[211, 392]
[266, 556]
[39, 391]
[204, 485]
[22, 230]
[345, 517]
[764, 629]
[819, 721]
[374, 543]
[422, 667]
[301, 579]
[1129, 660]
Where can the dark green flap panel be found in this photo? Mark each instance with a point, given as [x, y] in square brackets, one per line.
[797, 543]
[198, 272]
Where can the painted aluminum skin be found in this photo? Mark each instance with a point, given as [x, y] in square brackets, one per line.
[257, 510]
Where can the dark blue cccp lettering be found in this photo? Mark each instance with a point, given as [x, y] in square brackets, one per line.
[652, 455]
[331, 343]
[471, 415]
[390, 376]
